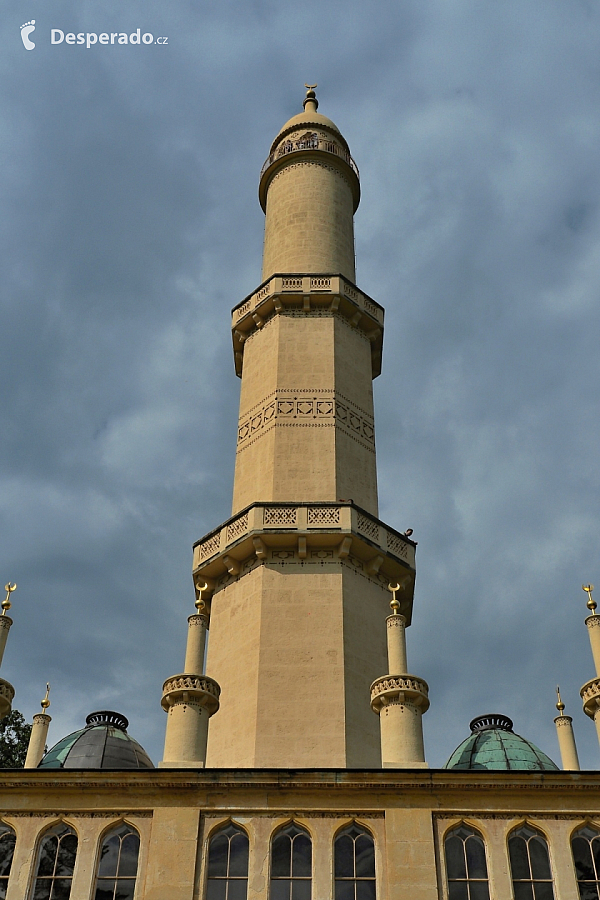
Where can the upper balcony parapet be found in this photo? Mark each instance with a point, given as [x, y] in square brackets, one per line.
[309, 142]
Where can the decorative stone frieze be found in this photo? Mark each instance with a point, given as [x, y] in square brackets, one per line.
[198, 689]
[325, 294]
[590, 694]
[399, 689]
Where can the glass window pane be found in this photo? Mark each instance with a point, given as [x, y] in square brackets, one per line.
[458, 890]
[41, 889]
[281, 856]
[540, 862]
[109, 856]
[596, 854]
[523, 891]
[475, 851]
[237, 889]
[543, 891]
[344, 857]
[48, 850]
[217, 856]
[105, 890]
[588, 892]
[67, 850]
[344, 890]
[128, 861]
[215, 889]
[280, 889]
[301, 890]
[582, 857]
[238, 855]
[302, 857]
[365, 856]
[125, 889]
[365, 890]
[519, 859]
[7, 847]
[61, 889]
[479, 890]
[455, 858]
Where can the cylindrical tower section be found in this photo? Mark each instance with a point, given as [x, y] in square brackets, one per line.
[194, 653]
[37, 740]
[593, 626]
[566, 743]
[309, 191]
[189, 701]
[396, 644]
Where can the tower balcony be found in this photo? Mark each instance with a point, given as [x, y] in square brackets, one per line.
[307, 533]
[316, 294]
[399, 689]
[590, 695]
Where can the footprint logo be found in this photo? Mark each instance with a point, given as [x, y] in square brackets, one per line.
[26, 30]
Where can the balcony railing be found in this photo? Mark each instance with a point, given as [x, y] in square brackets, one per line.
[311, 143]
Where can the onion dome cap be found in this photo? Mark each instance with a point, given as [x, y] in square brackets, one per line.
[493, 745]
[102, 744]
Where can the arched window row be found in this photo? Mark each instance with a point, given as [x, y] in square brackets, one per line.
[291, 864]
[116, 869]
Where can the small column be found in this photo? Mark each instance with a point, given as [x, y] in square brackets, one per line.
[189, 700]
[39, 733]
[566, 738]
[7, 691]
[400, 699]
[590, 692]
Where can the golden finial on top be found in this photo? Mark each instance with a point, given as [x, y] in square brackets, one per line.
[560, 705]
[395, 605]
[6, 604]
[591, 603]
[311, 87]
[311, 98]
[200, 604]
[46, 701]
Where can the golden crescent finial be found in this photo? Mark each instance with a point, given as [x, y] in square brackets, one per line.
[560, 705]
[395, 605]
[311, 87]
[200, 604]
[591, 603]
[46, 701]
[6, 604]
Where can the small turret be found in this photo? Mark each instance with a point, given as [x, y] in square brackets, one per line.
[7, 691]
[566, 738]
[400, 699]
[39, 733]
[190, 699]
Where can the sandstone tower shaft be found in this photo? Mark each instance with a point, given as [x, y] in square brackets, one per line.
[299, 574]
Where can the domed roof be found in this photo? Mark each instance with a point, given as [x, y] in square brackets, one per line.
[310, 116]
[492, 744]
[102, 744]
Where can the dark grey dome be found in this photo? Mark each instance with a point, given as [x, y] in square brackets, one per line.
[102, 744]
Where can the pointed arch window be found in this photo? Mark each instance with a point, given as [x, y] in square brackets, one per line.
[291, 864]
[585, 845]
[55, 864]
[118, 864]
[7, 849]
[228, 864]
[466, 866]
[354, 864]
[530, 865]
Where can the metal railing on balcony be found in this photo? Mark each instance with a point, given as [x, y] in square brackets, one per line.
[309, 143]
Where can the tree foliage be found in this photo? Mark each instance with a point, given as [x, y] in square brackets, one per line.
[14, 740]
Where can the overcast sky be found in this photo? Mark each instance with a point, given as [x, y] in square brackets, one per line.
[129, 227]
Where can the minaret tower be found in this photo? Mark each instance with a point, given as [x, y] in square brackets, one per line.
[7, 691]
[566, 738]
[297, 577]
[590, 692]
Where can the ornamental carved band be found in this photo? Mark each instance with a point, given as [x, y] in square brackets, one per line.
[590, 694]
[5, 622]
[561, 721]
[592, 621]
[7, 691]
[200, 689]
[399, 689]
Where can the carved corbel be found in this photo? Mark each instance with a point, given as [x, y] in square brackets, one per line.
[343, 550]
[335, 304]
[240, 335]
[260, 548]
[232, 565]
[302, 552]
[306, 303]
[374, 565]
[355, 319]
[277, 304]
[258, 320]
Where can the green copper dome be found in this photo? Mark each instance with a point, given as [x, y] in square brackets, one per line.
[493, 744]
[102, 744]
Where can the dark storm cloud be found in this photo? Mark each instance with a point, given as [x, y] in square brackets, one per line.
[129, 227]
